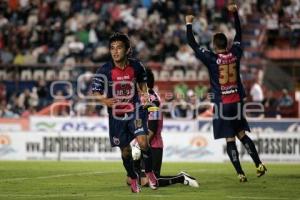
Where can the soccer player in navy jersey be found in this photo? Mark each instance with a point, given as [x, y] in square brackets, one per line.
[155, 124]
[120, 84]
[224, 69]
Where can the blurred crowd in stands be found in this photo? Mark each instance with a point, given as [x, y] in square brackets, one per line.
[69, 32]
[55, 32]
[282, 19]
[197, 103]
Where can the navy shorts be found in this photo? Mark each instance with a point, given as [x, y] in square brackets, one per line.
[229, 120]
[124, 128]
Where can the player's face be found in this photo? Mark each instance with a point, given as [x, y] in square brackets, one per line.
[118, 51]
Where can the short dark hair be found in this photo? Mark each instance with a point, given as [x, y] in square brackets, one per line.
[150, 78]
[220, 40]
[117, 36]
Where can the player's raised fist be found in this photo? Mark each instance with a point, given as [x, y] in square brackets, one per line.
[232, 7]
[189, 19]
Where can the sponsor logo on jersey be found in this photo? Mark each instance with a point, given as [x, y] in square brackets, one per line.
[138, 123]
[116, 140]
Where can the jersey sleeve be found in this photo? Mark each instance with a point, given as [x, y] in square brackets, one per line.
[238, 29]
[153, 118]
[201, 53]
[99, 82]
[154, 112]
[236, 48]
[154, 109]
[141, 76]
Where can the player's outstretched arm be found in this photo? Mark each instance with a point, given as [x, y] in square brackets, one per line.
[101, 98]
[200, 53]
[234, 9]
[189, 32]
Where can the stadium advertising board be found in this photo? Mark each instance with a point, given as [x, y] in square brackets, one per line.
[100, 124]
[68, 124]
[56, 146]
[92, 124]
[199, 147]
[274, 147]
[192, 147]
[179, 147]
[182, 126]
[11, 124]
[260, 126]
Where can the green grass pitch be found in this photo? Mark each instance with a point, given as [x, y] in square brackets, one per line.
[106, 180]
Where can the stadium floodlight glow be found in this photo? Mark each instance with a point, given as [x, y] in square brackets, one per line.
[62, 97]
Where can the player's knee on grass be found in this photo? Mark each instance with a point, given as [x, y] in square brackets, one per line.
[126, 152]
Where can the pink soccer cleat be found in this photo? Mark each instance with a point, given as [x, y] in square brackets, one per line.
[134, 185]
[153, 183]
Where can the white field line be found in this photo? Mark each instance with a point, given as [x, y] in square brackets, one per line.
[89, 173]
[205, 170]
[46, 196]
[41, 196]
[55, 176]
[191, 171]
[260, 198]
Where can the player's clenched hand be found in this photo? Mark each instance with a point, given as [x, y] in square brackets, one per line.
[189, 19]
[232, 7]
[109, 102]
[145, 99]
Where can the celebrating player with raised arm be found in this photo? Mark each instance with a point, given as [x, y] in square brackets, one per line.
[224, 69]
[117, 84]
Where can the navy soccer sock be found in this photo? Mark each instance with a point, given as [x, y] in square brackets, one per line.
[234, 156]
[251, 149]
[147, 158]
[137, 166]
[170, 180]
[129, 166]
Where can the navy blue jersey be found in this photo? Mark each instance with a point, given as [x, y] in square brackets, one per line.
[120, 84]
[224, 69]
